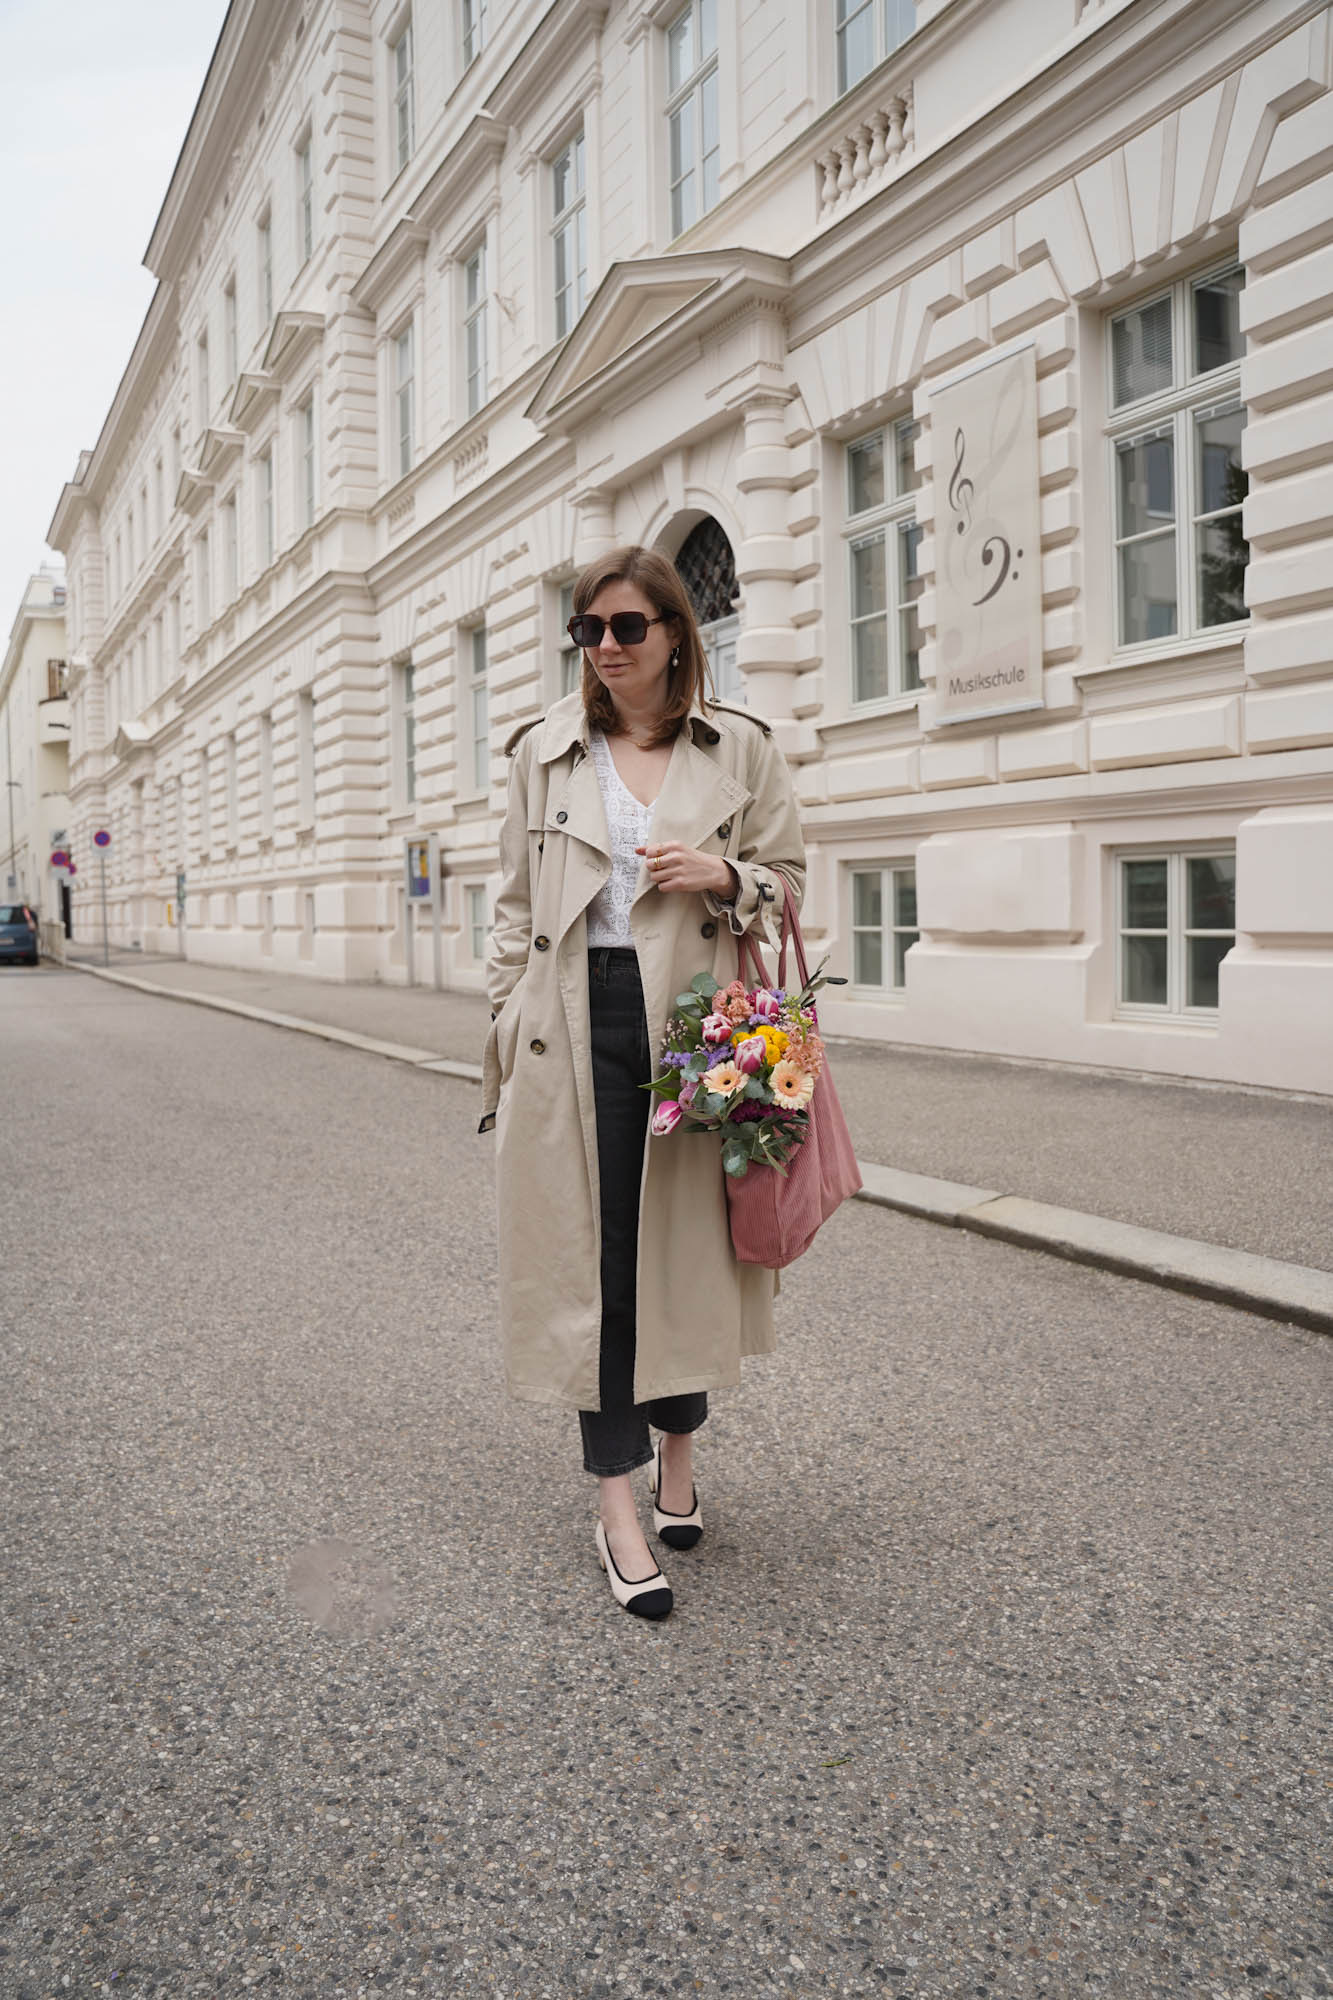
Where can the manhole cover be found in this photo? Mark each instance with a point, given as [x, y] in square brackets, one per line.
[342, 1589]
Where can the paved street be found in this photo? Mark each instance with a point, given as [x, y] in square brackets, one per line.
[1002, 1668]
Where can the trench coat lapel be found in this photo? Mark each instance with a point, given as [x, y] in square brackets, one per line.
[697, 796]
[575, 809]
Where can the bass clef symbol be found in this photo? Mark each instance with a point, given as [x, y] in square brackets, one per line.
[961, 488]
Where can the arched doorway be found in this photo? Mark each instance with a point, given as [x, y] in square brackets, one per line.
[707, 568]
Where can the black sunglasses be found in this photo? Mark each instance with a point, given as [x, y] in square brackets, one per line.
[628, 628]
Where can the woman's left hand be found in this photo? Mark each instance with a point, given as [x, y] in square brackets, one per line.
[673, 866]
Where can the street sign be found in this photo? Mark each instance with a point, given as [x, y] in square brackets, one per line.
[101, 838]
[59, 858]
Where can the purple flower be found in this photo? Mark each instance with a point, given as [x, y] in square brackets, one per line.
[687, 1090]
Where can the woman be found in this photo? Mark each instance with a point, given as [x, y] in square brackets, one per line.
[645, 833]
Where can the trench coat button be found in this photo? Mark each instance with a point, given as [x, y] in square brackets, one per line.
[541, 845]
[538, 1048]
[560, 818]
[708, 930]
[711, 736]
[541, 943]
[724, 831]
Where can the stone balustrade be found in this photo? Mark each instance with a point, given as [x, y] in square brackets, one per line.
[866, 157]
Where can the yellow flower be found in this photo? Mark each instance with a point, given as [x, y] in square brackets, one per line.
[791, 1087]
[775, 1042]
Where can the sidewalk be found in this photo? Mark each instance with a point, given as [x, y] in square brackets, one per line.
[1238, 1170]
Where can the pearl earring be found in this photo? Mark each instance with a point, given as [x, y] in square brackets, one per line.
[675, 656]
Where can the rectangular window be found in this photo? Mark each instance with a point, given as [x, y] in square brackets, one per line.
[158, 658]
[473, 22]
[1176, 923]
[481, 721]
[305, 758]
[478, 923]
[266, 775]
[1175, 435]
[264, 269]
[404, 378]
[131, 541]
[867, 32]
[159, 499]
[403, 118]
[569, 234]
[205, 806]
[265, 524]
[230, 340]
[474, 328]
[203, 582]
[230, 551]
[883, 925]
[571, 658]
[305, 198]
[407, 723]
[305, 460]
[201, 371]
[692, 117]
[175, 635]
[233, 799]
[146, 518]
[882, 541]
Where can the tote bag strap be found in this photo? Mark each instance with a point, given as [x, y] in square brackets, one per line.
[791, 930]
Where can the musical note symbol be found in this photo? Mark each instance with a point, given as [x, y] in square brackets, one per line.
[988, 557]
[961, 488]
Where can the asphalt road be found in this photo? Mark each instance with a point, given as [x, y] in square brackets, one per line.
[1002, 1668]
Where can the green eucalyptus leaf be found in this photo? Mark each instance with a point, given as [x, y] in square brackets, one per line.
[704, 985]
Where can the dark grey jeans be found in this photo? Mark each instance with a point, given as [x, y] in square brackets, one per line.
[615, 1438]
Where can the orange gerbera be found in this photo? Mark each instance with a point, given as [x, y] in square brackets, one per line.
[791, 1087]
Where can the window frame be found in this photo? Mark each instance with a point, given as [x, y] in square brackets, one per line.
[706, 69]
[888, 931]
[475, 924]
[264, 266]
[1176, 931]
[304, 157]
[403, 441]
[305, 759]
[475, 326]
[266, 513]
[1176, 411]
[879, 12]
[894, 523]
[307, 478]
[472, 27]
[573, 217]
[402, 97]
[231, 332]
[570, 673]
[231, 548]
[203, 580]
[479, 686]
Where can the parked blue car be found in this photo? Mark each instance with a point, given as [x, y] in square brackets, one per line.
[18, 933]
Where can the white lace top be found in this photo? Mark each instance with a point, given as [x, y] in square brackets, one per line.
[627, 823]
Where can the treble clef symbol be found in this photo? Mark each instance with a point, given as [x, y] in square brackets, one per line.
[961, 489]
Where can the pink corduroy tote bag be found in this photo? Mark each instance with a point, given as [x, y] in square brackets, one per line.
[774, 1218]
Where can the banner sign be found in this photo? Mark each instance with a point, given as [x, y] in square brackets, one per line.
[987, 541]
[418, 869]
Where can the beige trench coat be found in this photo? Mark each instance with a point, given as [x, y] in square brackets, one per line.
[727, 791]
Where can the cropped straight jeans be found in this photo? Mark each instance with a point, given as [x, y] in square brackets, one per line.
[615, 1438]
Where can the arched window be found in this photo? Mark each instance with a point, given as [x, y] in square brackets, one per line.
[707, 568]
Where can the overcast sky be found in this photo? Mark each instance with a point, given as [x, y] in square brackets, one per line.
[98, 101]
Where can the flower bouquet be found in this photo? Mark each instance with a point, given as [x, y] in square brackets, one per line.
[743, 1061]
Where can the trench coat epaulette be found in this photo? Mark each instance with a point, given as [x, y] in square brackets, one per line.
[515, 736]
[730, 708]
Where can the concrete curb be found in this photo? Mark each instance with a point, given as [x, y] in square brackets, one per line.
[1296, 1294]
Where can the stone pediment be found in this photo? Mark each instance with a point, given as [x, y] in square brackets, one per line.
[254, 390]
[130, 736]
[643, 310]
[294, 333]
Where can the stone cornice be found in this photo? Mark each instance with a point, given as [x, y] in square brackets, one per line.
[477, 150]
[402, 247]
[193, 490]
[152, 348]
[217, 449]
[292, 335]
[620, 341]
[255, 388]
[529, 75]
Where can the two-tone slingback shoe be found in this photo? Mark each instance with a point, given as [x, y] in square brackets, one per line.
[649, 1598]
[678, 1531]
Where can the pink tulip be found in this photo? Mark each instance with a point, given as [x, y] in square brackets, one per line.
[716, 1030]
[666, 1117]
[750, 1055]
[766, 1005]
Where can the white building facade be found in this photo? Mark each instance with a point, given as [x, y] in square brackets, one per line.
[34, 755]
[454, 295]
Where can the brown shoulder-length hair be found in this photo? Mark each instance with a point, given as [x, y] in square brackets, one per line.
[689, 680]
